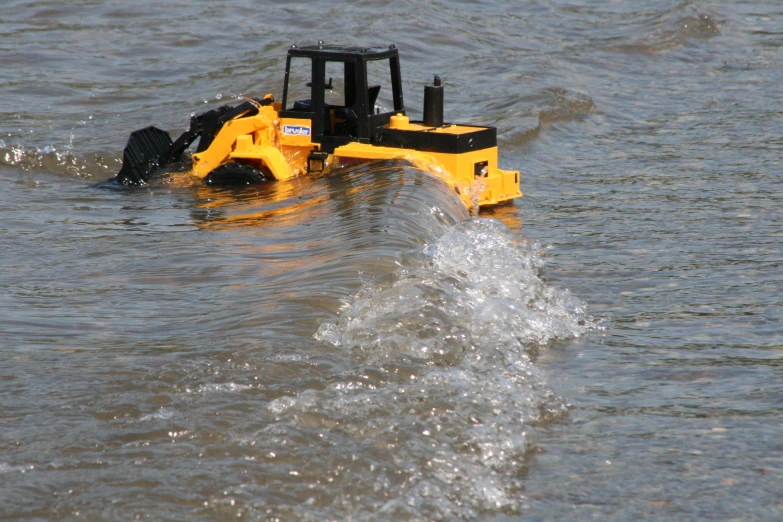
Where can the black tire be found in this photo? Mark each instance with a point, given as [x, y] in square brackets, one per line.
[233, 174]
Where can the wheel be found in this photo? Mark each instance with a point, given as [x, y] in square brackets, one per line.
[232, 174]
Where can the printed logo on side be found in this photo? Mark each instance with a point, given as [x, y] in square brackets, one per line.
[296, 130]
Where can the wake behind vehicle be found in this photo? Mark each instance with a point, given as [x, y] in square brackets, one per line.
[339, 104]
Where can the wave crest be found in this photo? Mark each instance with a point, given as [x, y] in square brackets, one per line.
[445, 390]
[474, 287]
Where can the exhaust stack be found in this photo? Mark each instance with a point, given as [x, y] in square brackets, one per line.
[433, 104]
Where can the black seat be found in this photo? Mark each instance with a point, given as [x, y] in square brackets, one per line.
[303, 105]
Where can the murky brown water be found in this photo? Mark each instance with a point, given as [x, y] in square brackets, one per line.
[354, 345]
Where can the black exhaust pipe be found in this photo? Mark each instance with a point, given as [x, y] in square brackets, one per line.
[433, 104]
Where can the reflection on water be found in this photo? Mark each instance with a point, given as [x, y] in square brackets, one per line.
[437, 314]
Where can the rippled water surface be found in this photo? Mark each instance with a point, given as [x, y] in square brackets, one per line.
[355, 345]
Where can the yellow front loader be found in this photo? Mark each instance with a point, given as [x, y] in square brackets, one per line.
[357, 114]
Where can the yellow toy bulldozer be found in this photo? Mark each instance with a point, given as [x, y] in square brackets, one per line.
[358, 114]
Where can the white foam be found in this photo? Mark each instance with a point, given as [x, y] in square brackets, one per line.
[474, 287]
[8, 468]
[161, 414]
[223, 387]
[460, 315]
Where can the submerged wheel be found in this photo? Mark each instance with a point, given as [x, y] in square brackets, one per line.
[233, 174]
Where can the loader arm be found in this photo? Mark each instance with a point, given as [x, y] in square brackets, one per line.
[250, 140]
[151, 149]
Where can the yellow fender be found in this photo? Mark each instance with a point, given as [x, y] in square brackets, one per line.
[270, 156]
[236, 141]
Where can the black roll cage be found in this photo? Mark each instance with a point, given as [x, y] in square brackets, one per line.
[359, 96]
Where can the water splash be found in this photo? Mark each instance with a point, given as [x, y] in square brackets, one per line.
[476, 280]
[49, 158]
[448, 394]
